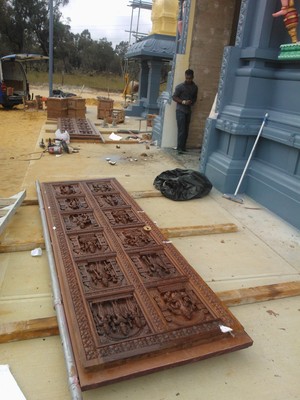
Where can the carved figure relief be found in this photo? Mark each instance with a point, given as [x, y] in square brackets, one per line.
[121, 217]
[135, 238]
[118, 319]
[181, 306]
[72, 204]
[80, 221]
[89, 244]
[100, 187]
[110, 200]
[66, 190]
[100, 274]
[154, 266]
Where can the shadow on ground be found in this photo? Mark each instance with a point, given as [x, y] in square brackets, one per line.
[189, 160]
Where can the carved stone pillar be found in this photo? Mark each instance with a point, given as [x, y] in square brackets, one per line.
[153, 85]
[144, 79]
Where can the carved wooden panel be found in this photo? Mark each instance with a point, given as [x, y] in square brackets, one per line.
[133, 303]
[79, 128]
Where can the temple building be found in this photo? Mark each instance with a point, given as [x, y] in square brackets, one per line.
[246, 64]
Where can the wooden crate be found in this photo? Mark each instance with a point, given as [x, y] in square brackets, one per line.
[118, 115]
[104, 108]
[150, 118]
[78, 113]
[29, 104]
[104, 113]
[39, 102]
[57, 103]
[76, 103]
[57, 113]
[105, 103]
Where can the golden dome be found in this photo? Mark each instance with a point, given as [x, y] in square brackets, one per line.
[164, 17]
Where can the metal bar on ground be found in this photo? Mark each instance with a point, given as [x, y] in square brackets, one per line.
[234, 197]
[62, 325]
[8, 207]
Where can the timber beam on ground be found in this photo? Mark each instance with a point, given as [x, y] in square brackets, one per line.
[239, 297]
[45, 327]
[199, 230]
[9, 247]
[143, 194]
[184, 231]
[173, 232]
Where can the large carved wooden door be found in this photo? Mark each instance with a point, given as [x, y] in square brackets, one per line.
[133, 304]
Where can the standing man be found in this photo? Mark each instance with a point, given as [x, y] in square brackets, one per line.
[185, 95]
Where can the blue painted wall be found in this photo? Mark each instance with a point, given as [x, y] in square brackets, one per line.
[254, 82]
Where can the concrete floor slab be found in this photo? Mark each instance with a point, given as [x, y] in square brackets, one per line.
[25, 229]
[283, 238]
[25, 308]
[25, 287]
[91, 162]
[227, 257]
[23, 274]
[168, 213]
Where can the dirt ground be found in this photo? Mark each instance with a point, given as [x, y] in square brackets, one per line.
[20, 131]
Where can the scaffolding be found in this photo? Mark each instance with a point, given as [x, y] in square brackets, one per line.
[130, 77]
[137, 5]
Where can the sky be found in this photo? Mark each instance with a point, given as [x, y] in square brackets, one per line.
[110, 19]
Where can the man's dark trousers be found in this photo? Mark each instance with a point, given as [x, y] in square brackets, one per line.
[183, 123]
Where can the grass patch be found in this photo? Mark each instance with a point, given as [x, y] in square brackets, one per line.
[107, 82]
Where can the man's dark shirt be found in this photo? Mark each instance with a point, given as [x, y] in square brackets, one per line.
[186, 91]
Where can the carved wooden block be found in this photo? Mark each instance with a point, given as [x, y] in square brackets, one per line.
[133, 303]
[79, 128]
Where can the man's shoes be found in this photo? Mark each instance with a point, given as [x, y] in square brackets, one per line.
[180, 151]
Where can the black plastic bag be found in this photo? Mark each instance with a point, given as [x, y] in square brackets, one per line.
[182, 184]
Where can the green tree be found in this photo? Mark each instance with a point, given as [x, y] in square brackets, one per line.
[24, 24]
[24, 28]
[121, 49]
[65, 49]
[4, 41]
